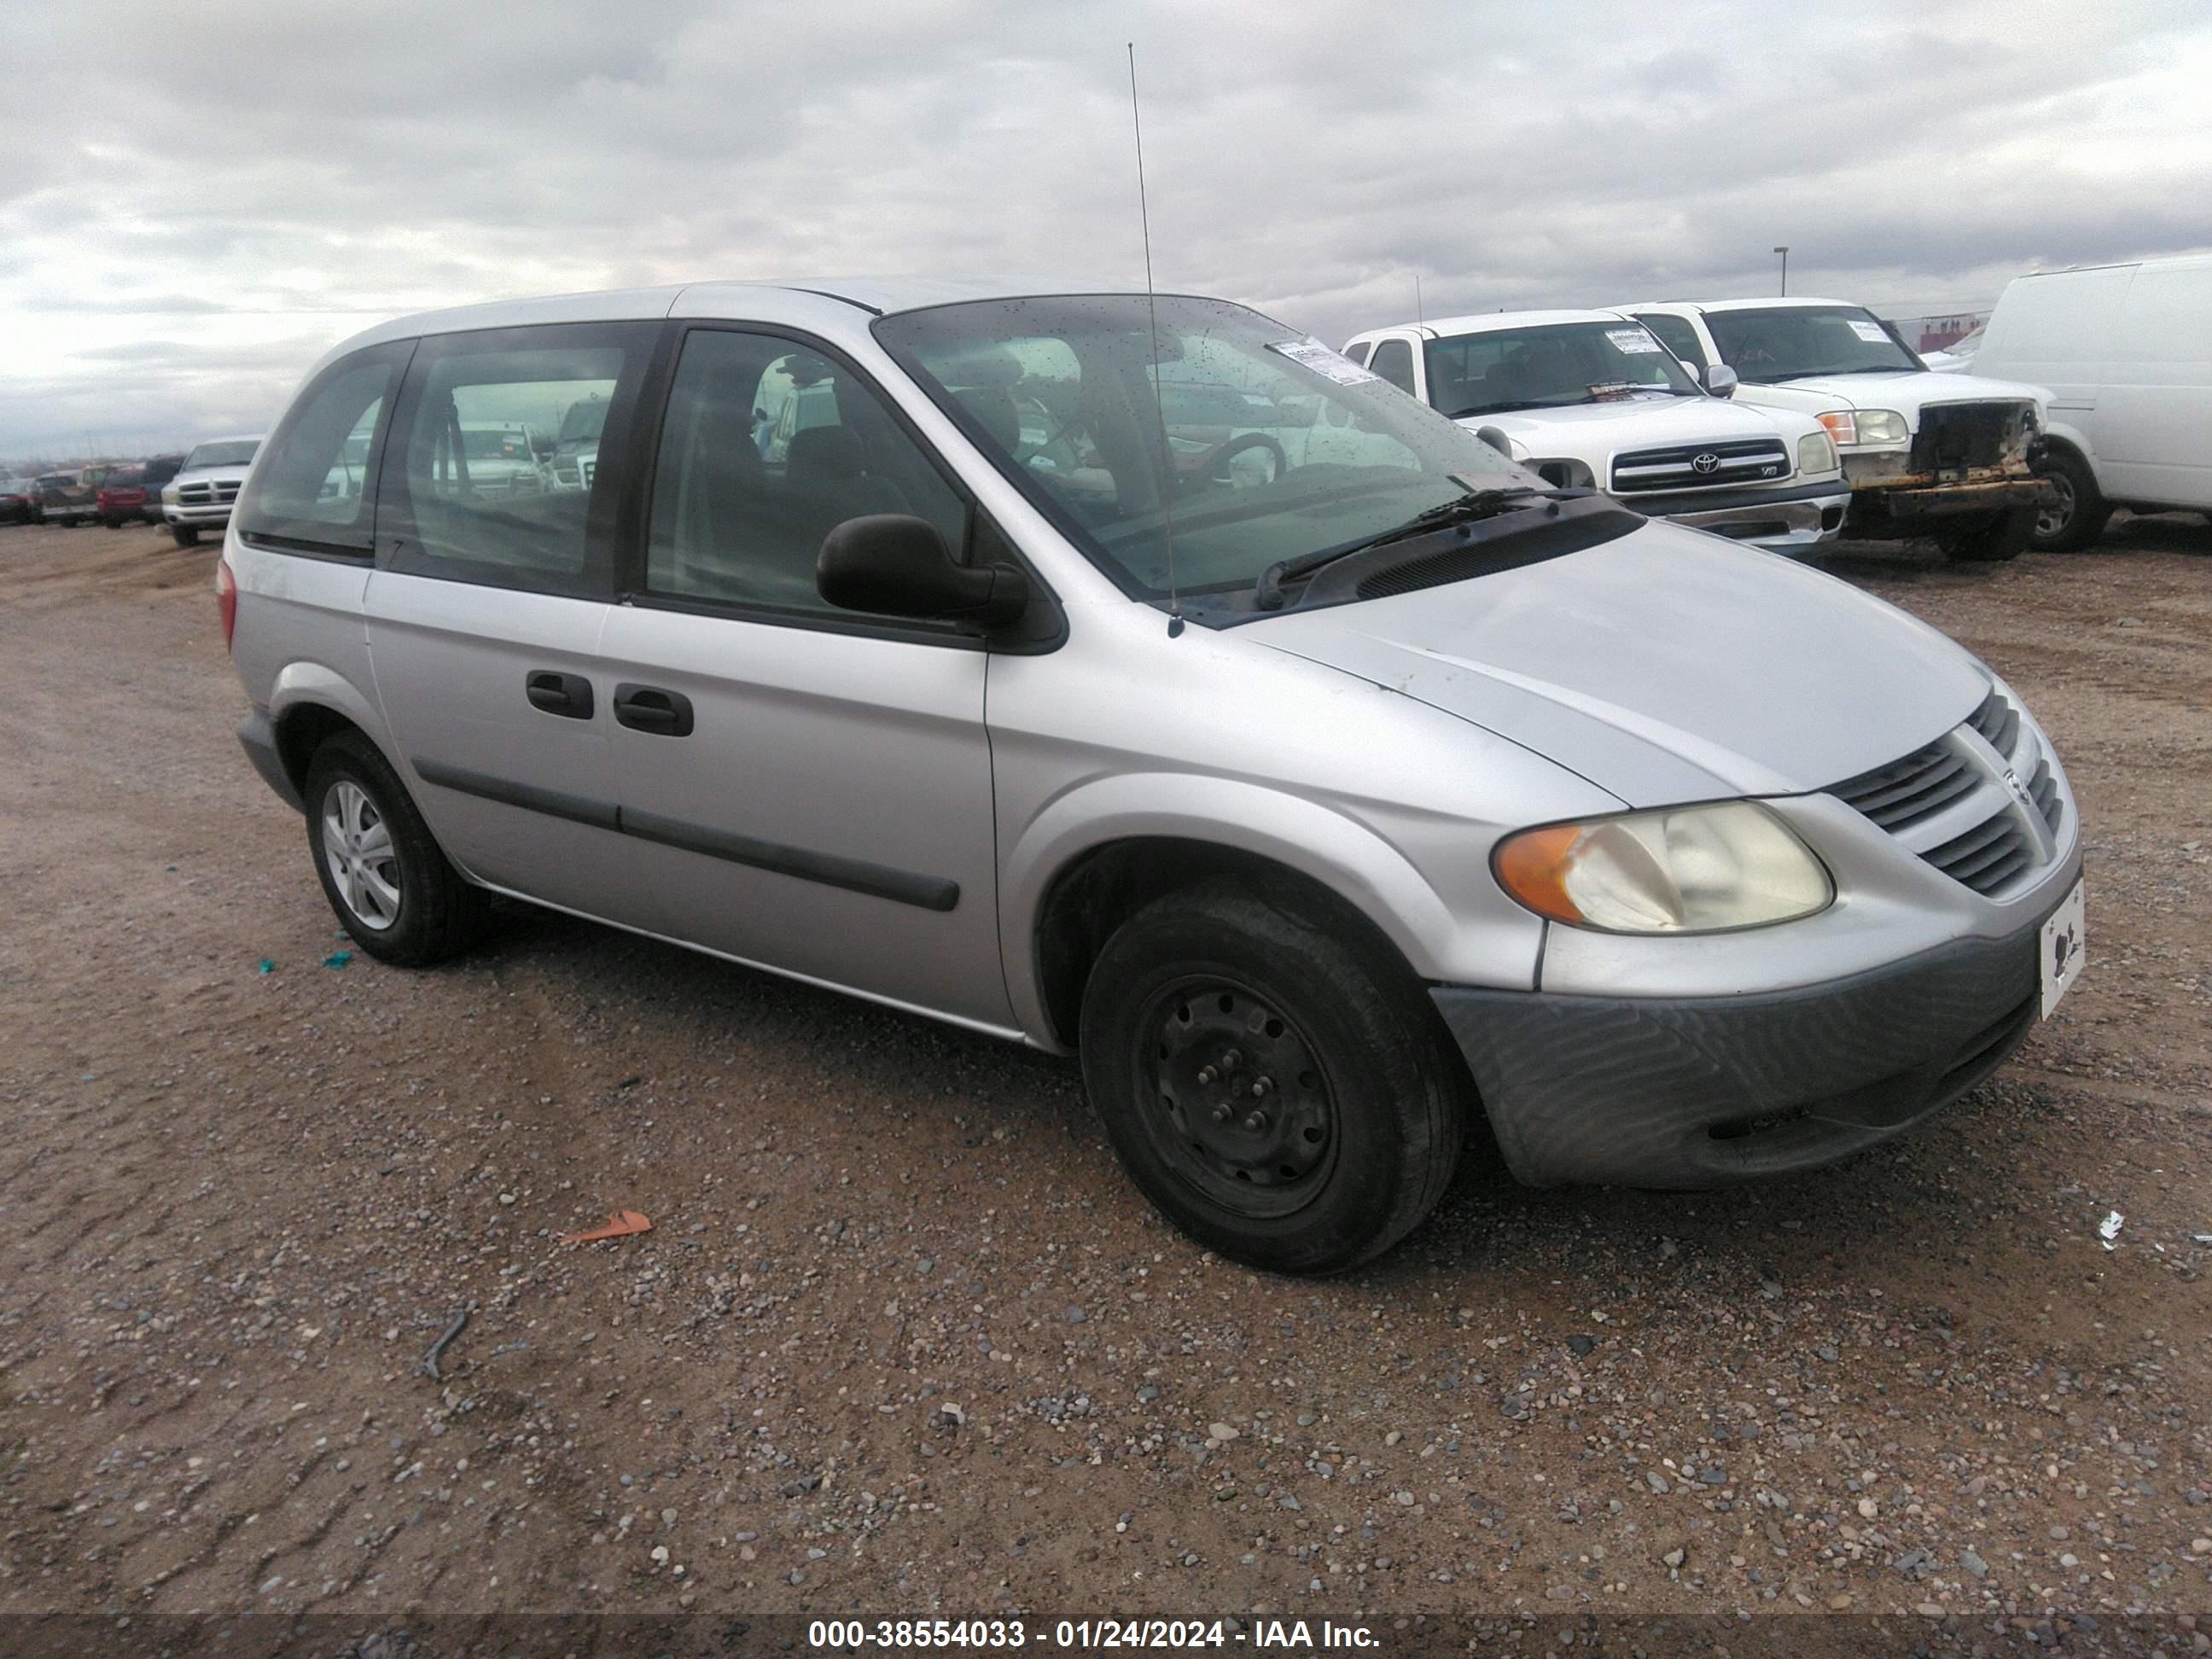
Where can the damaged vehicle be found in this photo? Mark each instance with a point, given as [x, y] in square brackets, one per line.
[1592, 400]
[1327, 809]
[1954, 457]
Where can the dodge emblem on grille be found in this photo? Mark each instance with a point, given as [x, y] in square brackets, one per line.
[1707, 461]
[2019, 789]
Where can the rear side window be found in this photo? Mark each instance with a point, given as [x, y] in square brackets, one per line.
[1676, 334]
[495, 472]
[1357, 352]
[1394, 361]
[315, 487]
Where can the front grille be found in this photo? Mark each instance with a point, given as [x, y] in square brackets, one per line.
[1976, 810]
[1734, 461]
[220, 493]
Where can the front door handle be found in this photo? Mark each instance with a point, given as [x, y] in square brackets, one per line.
[649, 708]
[566, 695]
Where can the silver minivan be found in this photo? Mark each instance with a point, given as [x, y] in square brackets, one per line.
[1142, 680]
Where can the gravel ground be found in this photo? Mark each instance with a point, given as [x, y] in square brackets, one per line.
[902, 1339]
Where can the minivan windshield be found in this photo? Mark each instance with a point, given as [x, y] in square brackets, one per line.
[1554, 366]
[1275, 447]
[1768, 343]
[230, 452]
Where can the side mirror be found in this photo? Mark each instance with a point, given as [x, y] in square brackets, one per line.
[1721, 380]
[897, 565]
[1496, 438]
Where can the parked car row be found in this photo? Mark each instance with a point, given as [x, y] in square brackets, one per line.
[1136, 678]
[1837, 426]
[190, 492]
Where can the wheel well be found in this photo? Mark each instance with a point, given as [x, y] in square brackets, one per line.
[1108, 885]
[302, 730]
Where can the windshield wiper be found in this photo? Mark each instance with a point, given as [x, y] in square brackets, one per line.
[1267, 592]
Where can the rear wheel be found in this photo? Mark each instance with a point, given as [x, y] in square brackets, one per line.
[2078, 515]
[2004, 535]
[380, 868]
[1273, 1075]
[184, 535]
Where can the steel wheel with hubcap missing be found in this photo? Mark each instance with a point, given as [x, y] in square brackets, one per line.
[1273, 1075]
[363, 865]
[1245, 1113]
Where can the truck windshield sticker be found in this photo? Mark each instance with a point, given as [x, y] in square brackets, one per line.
[1313, 354]
[1631, 339]
[1870, 333]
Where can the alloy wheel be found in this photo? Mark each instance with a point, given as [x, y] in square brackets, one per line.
[357, 850]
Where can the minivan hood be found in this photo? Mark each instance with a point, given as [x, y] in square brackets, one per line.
[1666, 665]
[1904, 389]
[1587, 430]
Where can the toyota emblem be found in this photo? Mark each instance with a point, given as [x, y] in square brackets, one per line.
[1705, 463]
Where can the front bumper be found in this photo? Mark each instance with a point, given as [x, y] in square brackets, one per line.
[1900, 503]
[1698, 1092]
[1789, 518]
[200, 518]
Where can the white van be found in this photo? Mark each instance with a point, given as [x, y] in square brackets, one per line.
[2127, 353]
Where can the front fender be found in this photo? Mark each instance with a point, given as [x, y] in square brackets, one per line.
[2065, 432]
[1315, 840]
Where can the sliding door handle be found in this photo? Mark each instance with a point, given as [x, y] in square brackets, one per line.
[650, 709]
[566, 695]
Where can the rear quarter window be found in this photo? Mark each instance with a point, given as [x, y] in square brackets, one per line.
[315, 487]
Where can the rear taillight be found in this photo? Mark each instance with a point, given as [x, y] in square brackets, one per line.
[226, 597]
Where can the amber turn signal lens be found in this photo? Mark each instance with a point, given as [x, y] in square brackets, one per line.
[1533, 867]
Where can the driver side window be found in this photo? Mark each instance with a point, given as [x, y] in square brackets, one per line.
[768, 447]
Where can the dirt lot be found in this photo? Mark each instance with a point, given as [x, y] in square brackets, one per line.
[903, 1340]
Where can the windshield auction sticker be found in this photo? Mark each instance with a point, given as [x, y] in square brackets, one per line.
[1631, 339]
[1319, 358]
[1868, 332]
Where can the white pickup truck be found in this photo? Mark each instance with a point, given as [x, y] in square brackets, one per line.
[1591, 399]
[1954, 457]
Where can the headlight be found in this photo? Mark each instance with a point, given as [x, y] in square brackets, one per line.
[1683, 870]
[169, 493]
[1816, 453]
[1864, 426]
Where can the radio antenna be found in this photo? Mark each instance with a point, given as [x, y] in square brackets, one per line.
[1152, 323]
[1418, 318]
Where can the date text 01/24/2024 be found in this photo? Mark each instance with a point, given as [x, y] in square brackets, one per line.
[1083, 1635]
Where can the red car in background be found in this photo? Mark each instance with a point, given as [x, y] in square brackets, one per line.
[19, 500]
[135, 491]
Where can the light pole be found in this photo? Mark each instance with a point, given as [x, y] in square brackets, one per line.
[1784, 251]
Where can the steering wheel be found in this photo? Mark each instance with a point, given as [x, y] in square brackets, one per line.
[1214, 468]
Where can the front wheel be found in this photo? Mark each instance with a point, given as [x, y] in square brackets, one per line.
[2004, 535]
[2079, 514]
[380, 868]
[184, 535]
[1271, 1075]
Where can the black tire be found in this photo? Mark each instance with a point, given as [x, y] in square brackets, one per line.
[437, 915]
[113, 523]
[184, 535]
[2081, 512]
[2003, 536]
[1359, 1138]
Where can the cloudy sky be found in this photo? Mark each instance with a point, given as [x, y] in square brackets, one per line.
[196, 198]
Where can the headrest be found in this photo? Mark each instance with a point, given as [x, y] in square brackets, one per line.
[995, 413]
[828, 451]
